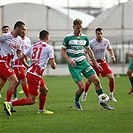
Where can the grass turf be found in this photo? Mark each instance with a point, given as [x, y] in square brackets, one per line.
[66, 119]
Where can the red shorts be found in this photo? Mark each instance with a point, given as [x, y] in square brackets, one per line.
[105, 67]
[20, 72]
[34, 84]
[5, 71]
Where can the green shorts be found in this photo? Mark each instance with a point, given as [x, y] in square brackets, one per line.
[82, 67]
[130, 67]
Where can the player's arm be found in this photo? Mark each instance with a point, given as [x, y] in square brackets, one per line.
[52, 63]
[112, 54]
[91, 54]
[87, 58]
[22, 58]
[64, 54]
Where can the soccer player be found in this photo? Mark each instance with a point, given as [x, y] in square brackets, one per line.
[99, 45]
[40, 52]
[19, 68]
[73, 51]
[5, 29]
[10, 43]
[130, 74]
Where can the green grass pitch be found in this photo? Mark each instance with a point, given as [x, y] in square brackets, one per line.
[66, 119]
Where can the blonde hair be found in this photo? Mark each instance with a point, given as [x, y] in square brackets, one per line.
[77, 21]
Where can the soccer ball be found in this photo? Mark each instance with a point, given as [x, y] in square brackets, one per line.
[103, 98]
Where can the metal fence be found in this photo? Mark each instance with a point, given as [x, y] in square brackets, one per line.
[119, 68]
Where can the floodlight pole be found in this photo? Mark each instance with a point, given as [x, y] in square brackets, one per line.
[122, 37]
[68, 15]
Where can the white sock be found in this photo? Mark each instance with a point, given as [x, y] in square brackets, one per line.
[10, 104]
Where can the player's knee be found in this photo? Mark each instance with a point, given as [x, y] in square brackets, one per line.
[15, 81]
[32, 101]
[82, 87]
[96, 81]
[44, 92]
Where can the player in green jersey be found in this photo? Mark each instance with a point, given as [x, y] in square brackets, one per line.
[73, 48]
[130, 73]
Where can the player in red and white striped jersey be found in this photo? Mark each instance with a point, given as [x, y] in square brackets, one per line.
[5, 29]
[41, 52]
[99, 45]
[10, 44]
[19, 68]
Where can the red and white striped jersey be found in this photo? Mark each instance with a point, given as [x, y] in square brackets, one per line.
[99, 48]
[25, 44]
[9, 45]
[40, 53]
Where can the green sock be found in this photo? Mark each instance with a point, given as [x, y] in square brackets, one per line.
[131, 81]
[15, 94]
[77, 96]
[99, 92]
[29, 62]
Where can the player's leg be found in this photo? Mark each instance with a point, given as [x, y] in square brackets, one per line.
[12, 84]
[130, 76]
[94, 78]
[33, 91]
[15, 93]
[20, 102]
[2, 82]
[28, 62]
[87, 87]
[20, 73]
[42, 98]
[81, 87]
[77, 77]
[111, 86]
[25, 87]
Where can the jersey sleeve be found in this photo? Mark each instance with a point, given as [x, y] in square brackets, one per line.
[51, 53]
[64, 44]
[28, 51]
[109, 45]
[2, 38]
[87, 42]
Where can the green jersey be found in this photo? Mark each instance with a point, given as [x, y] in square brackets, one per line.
[75, 46]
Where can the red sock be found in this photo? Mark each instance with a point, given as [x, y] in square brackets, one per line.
[87, 87]
[25, 89]
[42, 101]
[22, 102]
[111, 85]
[9, 95]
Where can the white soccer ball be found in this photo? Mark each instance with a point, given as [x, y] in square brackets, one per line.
[103, 98]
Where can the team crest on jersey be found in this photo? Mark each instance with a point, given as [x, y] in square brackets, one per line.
[105, 45]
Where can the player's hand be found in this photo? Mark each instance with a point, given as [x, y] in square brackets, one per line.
[91, 62]
[72, 62]
[113, 59]
[99, 67]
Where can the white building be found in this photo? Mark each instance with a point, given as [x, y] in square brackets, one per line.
[57, 20]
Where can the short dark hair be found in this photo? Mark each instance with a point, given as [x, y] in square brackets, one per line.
[19, 24]
[5, 26]
[43, 34]
[77, 21]
[98, 29]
